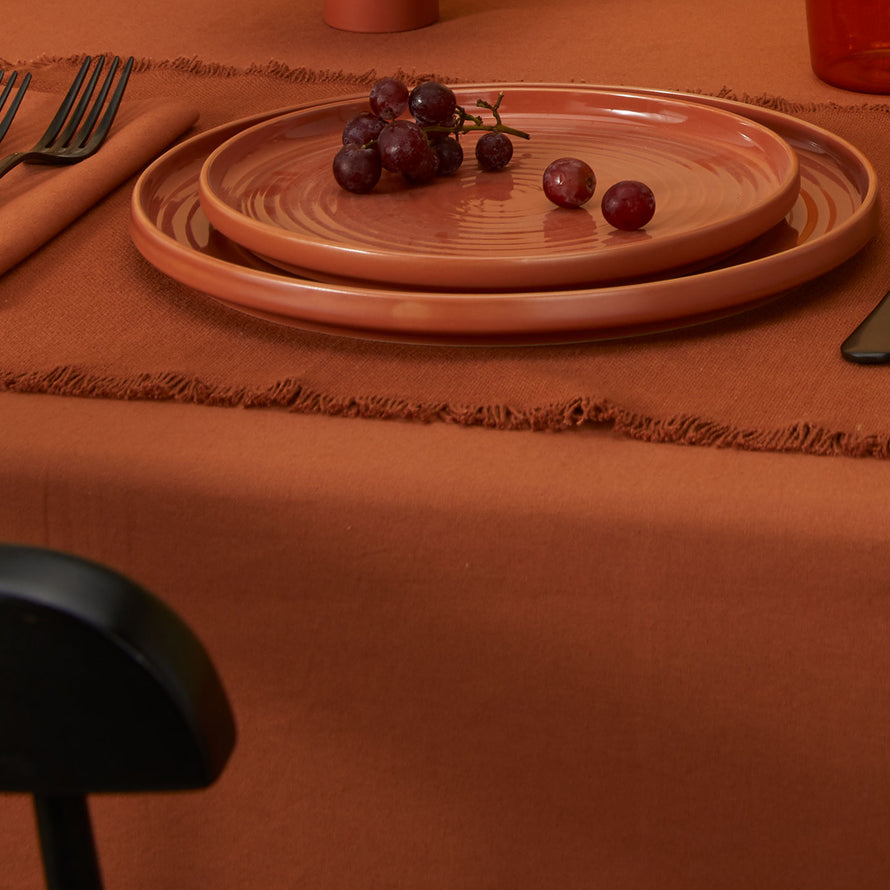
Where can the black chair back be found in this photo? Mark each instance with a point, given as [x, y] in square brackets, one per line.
[103, 688]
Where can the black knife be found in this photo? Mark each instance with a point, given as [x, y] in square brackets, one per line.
[869, 344]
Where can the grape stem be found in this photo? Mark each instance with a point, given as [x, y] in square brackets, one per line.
[462, 126]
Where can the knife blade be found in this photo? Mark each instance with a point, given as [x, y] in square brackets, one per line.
[869, 344]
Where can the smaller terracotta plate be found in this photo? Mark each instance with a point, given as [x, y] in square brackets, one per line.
[719, 179]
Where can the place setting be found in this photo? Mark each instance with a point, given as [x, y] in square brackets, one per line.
[750, 202]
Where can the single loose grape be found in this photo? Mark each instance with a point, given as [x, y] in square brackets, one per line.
[363, 128]
[388, 98]
[432, 103]
[628, 205]
[357, 168]
[494, 150]
[569, 182]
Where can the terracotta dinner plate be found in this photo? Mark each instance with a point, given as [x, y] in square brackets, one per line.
[719, 180]
[836, 213]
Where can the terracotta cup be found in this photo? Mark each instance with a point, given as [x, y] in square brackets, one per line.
[379, 16]
[850, 43]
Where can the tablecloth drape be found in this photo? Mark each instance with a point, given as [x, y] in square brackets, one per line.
[462, 657]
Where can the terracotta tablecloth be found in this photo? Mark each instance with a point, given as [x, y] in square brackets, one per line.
[463, 656]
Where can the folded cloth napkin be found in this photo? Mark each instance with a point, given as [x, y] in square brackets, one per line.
[38, 202]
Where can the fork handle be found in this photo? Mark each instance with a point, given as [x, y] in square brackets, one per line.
[10, 161]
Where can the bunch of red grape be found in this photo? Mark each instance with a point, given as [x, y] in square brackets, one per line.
[420, 149]
[627, 205]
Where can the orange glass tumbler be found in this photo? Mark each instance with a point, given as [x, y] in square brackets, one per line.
[850, 43]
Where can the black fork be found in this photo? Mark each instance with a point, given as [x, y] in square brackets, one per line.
[75, 135]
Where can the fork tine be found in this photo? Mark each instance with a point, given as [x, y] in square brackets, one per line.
[14, 107]
[83, 133]
[8, 87]
[71, 126]
[56, 123]
[114, 103]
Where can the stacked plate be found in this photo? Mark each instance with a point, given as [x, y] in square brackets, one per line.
[749, 203]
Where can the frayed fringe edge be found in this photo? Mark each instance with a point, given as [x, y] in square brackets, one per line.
[280, 70]
[786, 106]
[290, 395]
[273, 69]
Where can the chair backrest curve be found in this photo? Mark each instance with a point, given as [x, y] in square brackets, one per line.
[102, 686]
